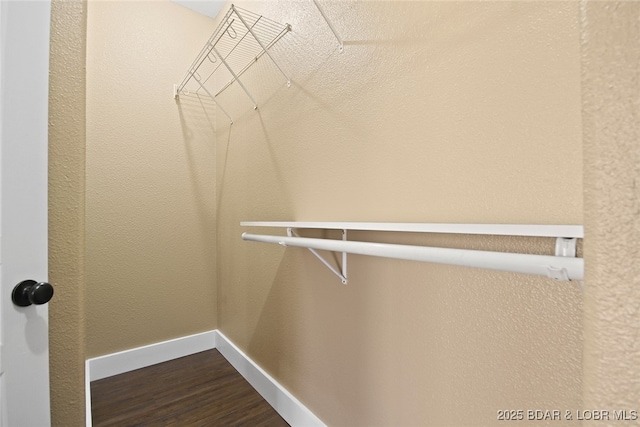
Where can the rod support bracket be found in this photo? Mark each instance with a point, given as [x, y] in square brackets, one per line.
[344, 259]
[565, 247]
[558, 273]
[342, 275]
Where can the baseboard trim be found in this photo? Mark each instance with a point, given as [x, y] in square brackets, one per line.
[289, 408]
[141, 357]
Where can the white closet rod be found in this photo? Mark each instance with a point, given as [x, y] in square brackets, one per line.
[557, 267]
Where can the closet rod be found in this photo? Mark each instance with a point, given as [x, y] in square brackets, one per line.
[557, 267]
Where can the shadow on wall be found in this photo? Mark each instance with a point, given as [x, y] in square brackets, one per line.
[249, 152]
[197, 121]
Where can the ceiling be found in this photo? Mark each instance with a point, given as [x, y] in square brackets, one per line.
[205, 7]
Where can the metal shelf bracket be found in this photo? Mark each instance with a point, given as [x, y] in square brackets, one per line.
[341, 275]
[333, 30]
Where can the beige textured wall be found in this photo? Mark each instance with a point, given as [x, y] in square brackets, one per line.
[150, 208]
[435, 112]
[611, 87]
[66, 211]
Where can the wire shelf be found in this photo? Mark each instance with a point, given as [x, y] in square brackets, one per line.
[241, 38]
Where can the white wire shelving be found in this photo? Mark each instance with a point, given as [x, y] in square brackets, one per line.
[241, 39]
[562, 266]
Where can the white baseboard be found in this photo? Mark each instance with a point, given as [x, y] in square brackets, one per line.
[289, 408]
[141, 357]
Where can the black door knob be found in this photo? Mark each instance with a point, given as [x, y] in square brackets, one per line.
[30, 292]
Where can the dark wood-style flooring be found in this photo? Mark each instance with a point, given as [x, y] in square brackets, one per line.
[198, 390]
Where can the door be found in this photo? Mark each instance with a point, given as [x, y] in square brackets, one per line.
[24, 86]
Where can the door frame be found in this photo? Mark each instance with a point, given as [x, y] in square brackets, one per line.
[24, 93]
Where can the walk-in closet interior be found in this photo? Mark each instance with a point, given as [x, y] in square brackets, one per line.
[452, 165]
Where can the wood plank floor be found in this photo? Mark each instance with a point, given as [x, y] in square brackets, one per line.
[198, 390]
